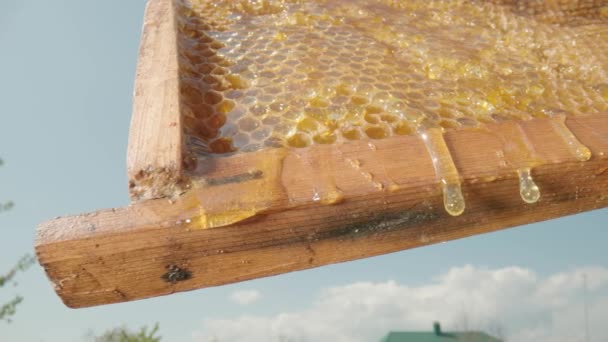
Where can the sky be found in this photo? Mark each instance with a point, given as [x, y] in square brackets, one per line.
[66, 80]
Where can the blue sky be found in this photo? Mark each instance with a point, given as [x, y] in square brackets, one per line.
[66, 77]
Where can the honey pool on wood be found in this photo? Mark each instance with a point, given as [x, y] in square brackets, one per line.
[325, 131]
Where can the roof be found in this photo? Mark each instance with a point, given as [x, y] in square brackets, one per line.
[472, 336]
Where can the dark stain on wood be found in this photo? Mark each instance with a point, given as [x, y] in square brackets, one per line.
[381, 223]
[175, 274]
[240, 178]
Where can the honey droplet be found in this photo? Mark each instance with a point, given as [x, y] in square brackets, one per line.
[332, 196]
[445, 170]
[580, 151]
[453, 201]
[528, 190]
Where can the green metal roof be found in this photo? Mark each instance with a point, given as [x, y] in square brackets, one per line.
[472, 336]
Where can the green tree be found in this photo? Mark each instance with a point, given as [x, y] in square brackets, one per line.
[122, 334]
[8, 310]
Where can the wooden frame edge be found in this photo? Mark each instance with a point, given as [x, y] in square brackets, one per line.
[159, 247]
[154, 157]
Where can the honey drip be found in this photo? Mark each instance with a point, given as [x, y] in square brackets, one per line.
[445, 170]
[520, 153]
[329, 195]
[212, 220]
[580, 151]
[528, 190]
[453, 201]
[324, 189]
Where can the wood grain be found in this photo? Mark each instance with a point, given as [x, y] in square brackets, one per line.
[390, 201]
[154, 160]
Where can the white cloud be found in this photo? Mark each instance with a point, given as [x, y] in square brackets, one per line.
[522, 304]
[245, 297]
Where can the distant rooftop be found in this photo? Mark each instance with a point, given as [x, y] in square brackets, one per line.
[439, 336]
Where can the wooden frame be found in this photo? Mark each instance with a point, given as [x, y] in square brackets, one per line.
[123, 254]
[154, 157]
[279, 210]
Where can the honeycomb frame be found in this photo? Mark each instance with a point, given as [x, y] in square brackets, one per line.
[218, 220]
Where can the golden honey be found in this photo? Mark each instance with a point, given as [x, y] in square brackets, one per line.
[280, 73]
[296, 73]
[528, 190]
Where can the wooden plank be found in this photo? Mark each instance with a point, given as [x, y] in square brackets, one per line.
[154, 161]
[277, 211]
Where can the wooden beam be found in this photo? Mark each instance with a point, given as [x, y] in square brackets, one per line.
[154, 158]
[274, 211]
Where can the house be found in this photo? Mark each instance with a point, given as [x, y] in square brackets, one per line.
[437, 335]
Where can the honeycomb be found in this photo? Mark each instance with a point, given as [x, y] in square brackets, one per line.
[271, 73]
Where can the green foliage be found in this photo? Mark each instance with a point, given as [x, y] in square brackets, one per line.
[122, 334]
[8, 310]
[6, 206]
[23, 264]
